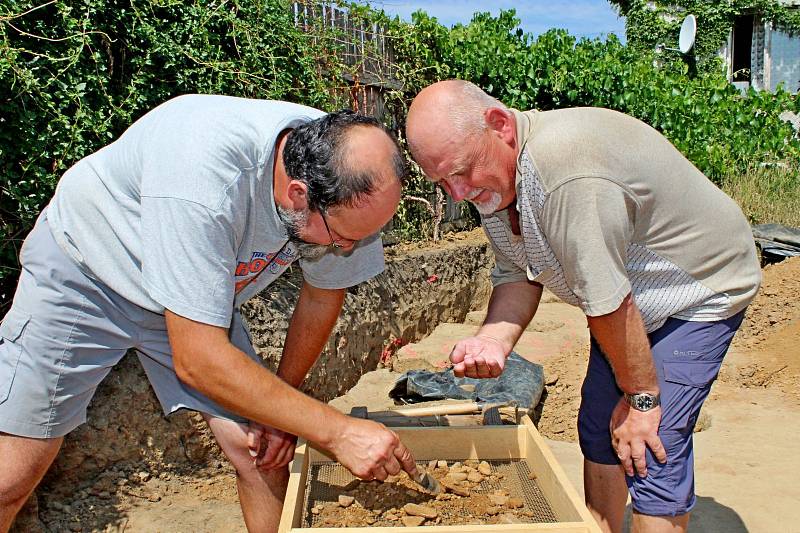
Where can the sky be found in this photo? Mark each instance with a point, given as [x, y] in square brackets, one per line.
[582, 18]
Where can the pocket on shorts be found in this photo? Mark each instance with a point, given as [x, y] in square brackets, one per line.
[691, 373]
[11, 330]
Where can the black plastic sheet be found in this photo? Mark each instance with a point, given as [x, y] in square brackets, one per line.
[777, 242]
[521, 384]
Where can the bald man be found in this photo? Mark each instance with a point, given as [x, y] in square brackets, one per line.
[154, 242]
[602, 210]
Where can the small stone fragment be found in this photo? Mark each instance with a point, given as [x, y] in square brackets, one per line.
[442, 464]
[484, 468]
[474, 477]
[456, 476]
[315, 510]
[455, 489]
[493, 510]
[154, 497]
[498, 499]
[515, 503]
[432, 464]
[414, 509]
[143, 476]
[345, 500]
[412, 521]
[508, 518]
[531, 475]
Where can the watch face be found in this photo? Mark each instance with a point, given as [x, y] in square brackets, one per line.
[644, 402]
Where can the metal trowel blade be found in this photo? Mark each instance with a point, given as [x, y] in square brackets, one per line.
[428, 482]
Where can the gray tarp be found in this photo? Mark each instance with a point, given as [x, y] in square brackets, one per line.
[521, 384]
[777, 242]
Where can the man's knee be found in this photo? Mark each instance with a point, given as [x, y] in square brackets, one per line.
[25, 462]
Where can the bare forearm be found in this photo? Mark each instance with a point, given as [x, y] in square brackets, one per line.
[622, 337]
[207, 361]
[313, 320]
[511, 308]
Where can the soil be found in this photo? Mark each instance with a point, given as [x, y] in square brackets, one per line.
[399, 501]
[160, 490]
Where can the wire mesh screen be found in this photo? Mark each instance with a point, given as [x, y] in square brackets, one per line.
[327, 480]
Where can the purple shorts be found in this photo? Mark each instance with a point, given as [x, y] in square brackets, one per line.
[687, 356]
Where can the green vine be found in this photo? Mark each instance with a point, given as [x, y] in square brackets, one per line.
[646, 26]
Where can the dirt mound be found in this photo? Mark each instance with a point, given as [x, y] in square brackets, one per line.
[776, 305]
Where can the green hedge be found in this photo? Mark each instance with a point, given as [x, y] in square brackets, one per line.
[74, 75]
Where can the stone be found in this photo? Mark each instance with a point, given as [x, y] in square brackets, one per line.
[432, 464]
[142, 476]
[508, 518]
[484, 468]
[414, 509]
[474, 477]
[455, 489]
[442, 464]
[515, 503]
[531, 475]
[455, 476]
[498, 499]
[345, 500]
[412, 521]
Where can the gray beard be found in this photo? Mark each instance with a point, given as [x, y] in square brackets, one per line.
[294, 220]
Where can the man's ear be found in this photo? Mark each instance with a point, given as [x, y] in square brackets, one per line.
[297, 192]
[501, 122]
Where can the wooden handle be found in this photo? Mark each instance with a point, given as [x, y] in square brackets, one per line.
[454, 408]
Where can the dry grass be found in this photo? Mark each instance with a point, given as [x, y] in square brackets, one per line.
[767, 195]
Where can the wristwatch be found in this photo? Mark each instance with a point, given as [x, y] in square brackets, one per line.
[643, 401]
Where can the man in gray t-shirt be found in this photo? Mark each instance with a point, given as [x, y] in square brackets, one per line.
[153, 242]
[603, 211]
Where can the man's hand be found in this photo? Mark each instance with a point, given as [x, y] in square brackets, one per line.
[479, 357]
[270, 448]
[370, 451]
[631, 432]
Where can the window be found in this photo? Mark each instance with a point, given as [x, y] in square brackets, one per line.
[742, 45]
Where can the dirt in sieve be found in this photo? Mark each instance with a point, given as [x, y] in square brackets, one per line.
[469, 497]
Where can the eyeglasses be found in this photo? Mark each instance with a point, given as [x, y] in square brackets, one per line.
[334, 242]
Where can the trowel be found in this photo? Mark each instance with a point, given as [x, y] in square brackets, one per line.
[427, 481]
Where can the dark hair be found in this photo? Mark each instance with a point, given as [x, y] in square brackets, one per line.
[315, 153]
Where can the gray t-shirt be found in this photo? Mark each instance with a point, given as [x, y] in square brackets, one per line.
[178, 213]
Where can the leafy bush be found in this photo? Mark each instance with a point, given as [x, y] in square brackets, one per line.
[74, 75]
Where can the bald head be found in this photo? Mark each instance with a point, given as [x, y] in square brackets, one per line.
[451, 109]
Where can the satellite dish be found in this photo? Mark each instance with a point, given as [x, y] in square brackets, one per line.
[688, 32]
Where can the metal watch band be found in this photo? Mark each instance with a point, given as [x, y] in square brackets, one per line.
[643, 401]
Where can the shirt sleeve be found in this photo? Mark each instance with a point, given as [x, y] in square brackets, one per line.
[188, 259]
[589, 224]
[339, 270]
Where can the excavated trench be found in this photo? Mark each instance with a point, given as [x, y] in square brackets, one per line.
[420, 288]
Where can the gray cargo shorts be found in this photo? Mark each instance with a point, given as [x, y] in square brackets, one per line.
[63, 334]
